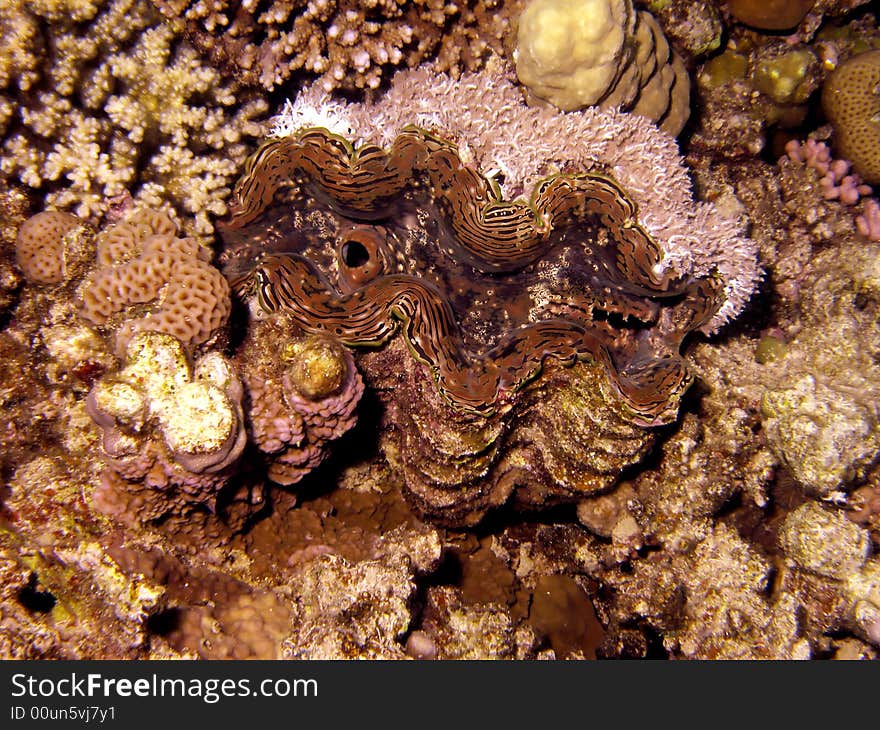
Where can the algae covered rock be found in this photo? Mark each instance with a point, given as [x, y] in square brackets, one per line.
[823, 541]
[827, 437]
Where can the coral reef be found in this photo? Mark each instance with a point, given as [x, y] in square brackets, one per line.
[695, 29]
[58, 581]
[13, 212]
[776, 78]
[762, 85]
[347, 44]
[837, 182]
[577, 53]
[824, 435]
[821, 419]
[100, 98]
[691, 478]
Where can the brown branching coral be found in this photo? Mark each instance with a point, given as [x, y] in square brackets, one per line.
[347, 44]
[102, 97]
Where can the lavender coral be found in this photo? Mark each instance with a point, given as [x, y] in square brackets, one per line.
[868, 223]
[102, 97]
[838, 182]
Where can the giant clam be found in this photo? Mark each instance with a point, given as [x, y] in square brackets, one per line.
[543, 336]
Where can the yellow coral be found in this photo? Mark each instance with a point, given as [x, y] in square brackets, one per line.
[317, 366]
[347, 44]
[577, 53]
[195, 410]
[568, 51]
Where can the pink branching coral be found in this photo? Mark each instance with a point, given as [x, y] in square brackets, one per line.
[868, 223]
[837, 181]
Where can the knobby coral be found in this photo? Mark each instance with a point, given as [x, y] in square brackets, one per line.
[299, 400]
[99, 98]
[575, 53]
[171, 430]
[837, 182]
[418, 241]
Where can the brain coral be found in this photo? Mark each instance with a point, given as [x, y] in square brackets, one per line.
[576, 53]
[851, 99]
[41, 249]
[581, 285]
[144, 268]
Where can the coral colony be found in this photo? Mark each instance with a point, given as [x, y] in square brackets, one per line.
[263, 377]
